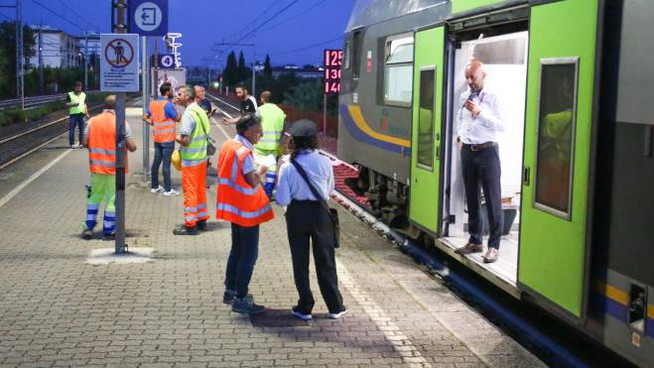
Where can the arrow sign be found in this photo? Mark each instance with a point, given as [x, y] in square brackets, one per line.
[148, 17]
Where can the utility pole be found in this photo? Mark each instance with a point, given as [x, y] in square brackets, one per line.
[86, 59]
[20, 64]
[41, 77]
[121, 8]
[254, 77]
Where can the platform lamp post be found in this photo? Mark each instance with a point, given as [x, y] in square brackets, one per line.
[120, 7]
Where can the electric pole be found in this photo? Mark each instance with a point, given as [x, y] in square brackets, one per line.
[86, 59]
[41, 77]
[20, 65]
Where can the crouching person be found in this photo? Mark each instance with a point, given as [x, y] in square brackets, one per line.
[100, 139]
[241, 200]
[305, 184]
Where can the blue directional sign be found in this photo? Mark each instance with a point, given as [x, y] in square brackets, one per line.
[166, 61]
[148, 17]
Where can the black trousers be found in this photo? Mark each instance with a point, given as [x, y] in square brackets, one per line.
[308, 223]
[481, 169]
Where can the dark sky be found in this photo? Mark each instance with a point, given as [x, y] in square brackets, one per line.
[287, 37]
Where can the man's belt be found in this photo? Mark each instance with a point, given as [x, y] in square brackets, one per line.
[478, 147]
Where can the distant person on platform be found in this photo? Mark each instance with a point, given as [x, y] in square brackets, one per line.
[100, 139]
[248, 104]
[192, 137]
[163, 116]
[240, 199]
[77, 110]
[479, 122]
[201, 99]
[272, 119]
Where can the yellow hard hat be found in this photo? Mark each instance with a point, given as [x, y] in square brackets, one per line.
[177, 160]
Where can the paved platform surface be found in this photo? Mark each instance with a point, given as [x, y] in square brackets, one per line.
[57, 310]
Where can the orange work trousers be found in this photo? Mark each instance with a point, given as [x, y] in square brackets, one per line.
[194, 181]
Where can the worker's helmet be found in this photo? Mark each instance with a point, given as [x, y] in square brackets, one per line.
[177, 160]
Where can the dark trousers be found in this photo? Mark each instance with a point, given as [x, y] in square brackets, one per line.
[307, 222]
[163, 152]
[75, 121]
[481, 169]
[242, 258]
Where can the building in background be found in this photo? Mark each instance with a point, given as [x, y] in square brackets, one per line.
[306, 71]
[58, 48]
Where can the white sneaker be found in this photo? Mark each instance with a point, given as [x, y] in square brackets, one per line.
[72, 146]
[171, 193]
[337, 315]
[157, 190]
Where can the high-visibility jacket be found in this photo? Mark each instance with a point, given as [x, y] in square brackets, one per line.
[236, 200]
[81, 100]
[102, 144]
[196, 152]
[272, 121]
[163, 127]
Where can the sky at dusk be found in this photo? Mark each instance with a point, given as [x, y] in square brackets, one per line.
[295, 31]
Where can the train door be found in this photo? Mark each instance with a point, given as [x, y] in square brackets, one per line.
[426, 126]
[559, 117]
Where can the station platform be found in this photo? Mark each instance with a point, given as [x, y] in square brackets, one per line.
[58, 310]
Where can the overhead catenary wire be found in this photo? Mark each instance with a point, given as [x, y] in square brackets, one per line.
[308, 47]
[93, 25]
[297, 15]
[58, 15]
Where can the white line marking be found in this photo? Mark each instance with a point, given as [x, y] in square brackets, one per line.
[392, 333]
[219, 125]
[34, 176]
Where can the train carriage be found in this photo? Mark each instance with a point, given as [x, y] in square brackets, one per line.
[573, 77]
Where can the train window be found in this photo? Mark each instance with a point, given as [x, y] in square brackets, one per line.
[398, 70]
[357, 45]
[556, 127]
[346, 55]
[426, 118]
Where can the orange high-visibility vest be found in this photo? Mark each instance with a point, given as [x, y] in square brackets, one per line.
[164, 128]
[102, 144]
[237, 201]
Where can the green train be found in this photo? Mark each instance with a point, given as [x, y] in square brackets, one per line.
[574, 77]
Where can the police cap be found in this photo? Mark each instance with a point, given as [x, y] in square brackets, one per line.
[303, 128]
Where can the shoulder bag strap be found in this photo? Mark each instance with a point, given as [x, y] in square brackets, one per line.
[314, 191]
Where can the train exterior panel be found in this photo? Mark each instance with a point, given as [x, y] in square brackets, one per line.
[582, 150]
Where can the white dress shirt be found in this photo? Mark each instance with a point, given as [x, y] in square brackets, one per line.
[486, 126]
[291, 185]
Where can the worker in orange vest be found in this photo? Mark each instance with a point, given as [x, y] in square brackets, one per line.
[242, 201]
[162, 116]
[100, 139]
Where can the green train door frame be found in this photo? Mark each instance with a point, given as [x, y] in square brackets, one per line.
[559, 130]
[429, 62]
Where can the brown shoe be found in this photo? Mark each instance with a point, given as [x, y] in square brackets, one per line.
[470, 248]
[492, 255]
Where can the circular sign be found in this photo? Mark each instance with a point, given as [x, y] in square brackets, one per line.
[119, 53]
[148, 16]
[167, 61]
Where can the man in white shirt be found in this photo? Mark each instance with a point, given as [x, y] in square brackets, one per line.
[479, 122]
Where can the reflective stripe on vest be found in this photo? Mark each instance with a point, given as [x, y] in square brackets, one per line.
[236, 200]
[272, 120]
[197, 148]
[102, 144]
[81, 100]
[163, 127]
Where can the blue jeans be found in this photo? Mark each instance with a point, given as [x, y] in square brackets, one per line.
[74, 121]
[242, 258]
[162, 152]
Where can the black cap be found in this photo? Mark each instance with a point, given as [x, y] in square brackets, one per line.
[303, 128]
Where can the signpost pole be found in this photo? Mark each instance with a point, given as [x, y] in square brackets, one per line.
[324, 115]
[146, 103]
[120, 148]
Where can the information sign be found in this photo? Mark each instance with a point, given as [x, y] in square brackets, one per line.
[333, 60]
[119, 67]
[148, 17]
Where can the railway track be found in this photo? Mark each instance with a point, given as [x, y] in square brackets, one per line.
[20, 145]
[31, 102]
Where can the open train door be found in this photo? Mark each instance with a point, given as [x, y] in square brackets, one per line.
[426, 126]
[559, 123]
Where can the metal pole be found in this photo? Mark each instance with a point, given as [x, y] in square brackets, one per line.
[155, 84]
[20, 72]
[254, 78]
[146, 103]
[324, 115]
[120, 150]
[41, 76]
[86, 59]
